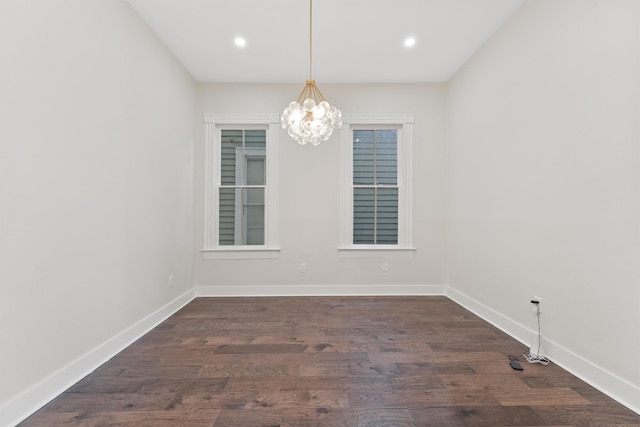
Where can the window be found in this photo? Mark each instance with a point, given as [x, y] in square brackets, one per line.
[376, 196]
[375, 186]
[240, 187]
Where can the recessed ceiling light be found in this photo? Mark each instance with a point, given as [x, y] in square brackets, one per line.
[409, 41]
[240, 42]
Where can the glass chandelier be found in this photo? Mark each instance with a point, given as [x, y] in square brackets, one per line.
[310, 119]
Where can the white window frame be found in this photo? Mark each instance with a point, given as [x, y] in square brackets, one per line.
[404, 123]
[214, 123]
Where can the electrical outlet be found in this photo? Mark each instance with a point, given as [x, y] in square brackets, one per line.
[171, 283]
[385, 267]
[303, 267]
[536, 308]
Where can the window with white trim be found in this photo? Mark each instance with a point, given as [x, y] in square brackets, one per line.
[376, 184]
[240, 187]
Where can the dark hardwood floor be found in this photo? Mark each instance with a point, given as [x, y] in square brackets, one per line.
[327, 361]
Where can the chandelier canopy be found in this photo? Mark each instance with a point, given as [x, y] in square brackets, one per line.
[310, 118]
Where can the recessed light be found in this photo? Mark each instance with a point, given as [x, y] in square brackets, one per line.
[240, 42]
[409, 42]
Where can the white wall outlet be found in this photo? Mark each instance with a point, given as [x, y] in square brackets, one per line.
[303, 267]
[385, 267]
[171, 282]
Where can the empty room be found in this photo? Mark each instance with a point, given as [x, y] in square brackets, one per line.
[319, 213]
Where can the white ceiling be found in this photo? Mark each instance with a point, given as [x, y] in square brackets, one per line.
[354, 41]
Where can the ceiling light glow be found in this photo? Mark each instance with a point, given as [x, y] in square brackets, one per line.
[409, 42]
[240, 42]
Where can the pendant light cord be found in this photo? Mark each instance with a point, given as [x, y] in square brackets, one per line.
[310, 38]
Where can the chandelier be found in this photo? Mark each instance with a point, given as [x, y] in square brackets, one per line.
[310, 119]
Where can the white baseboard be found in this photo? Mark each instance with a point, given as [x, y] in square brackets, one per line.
[26, 403]
[608, 383]
[318, 290]
[505, 324]
[29, 401]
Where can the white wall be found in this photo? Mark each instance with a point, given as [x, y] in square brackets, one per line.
[544, 185]
[96, 167]
[309, 197]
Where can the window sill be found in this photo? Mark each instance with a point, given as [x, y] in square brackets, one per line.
[241, 253]
[375, 252]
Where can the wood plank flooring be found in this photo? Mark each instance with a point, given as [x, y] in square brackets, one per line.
[327, 361]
